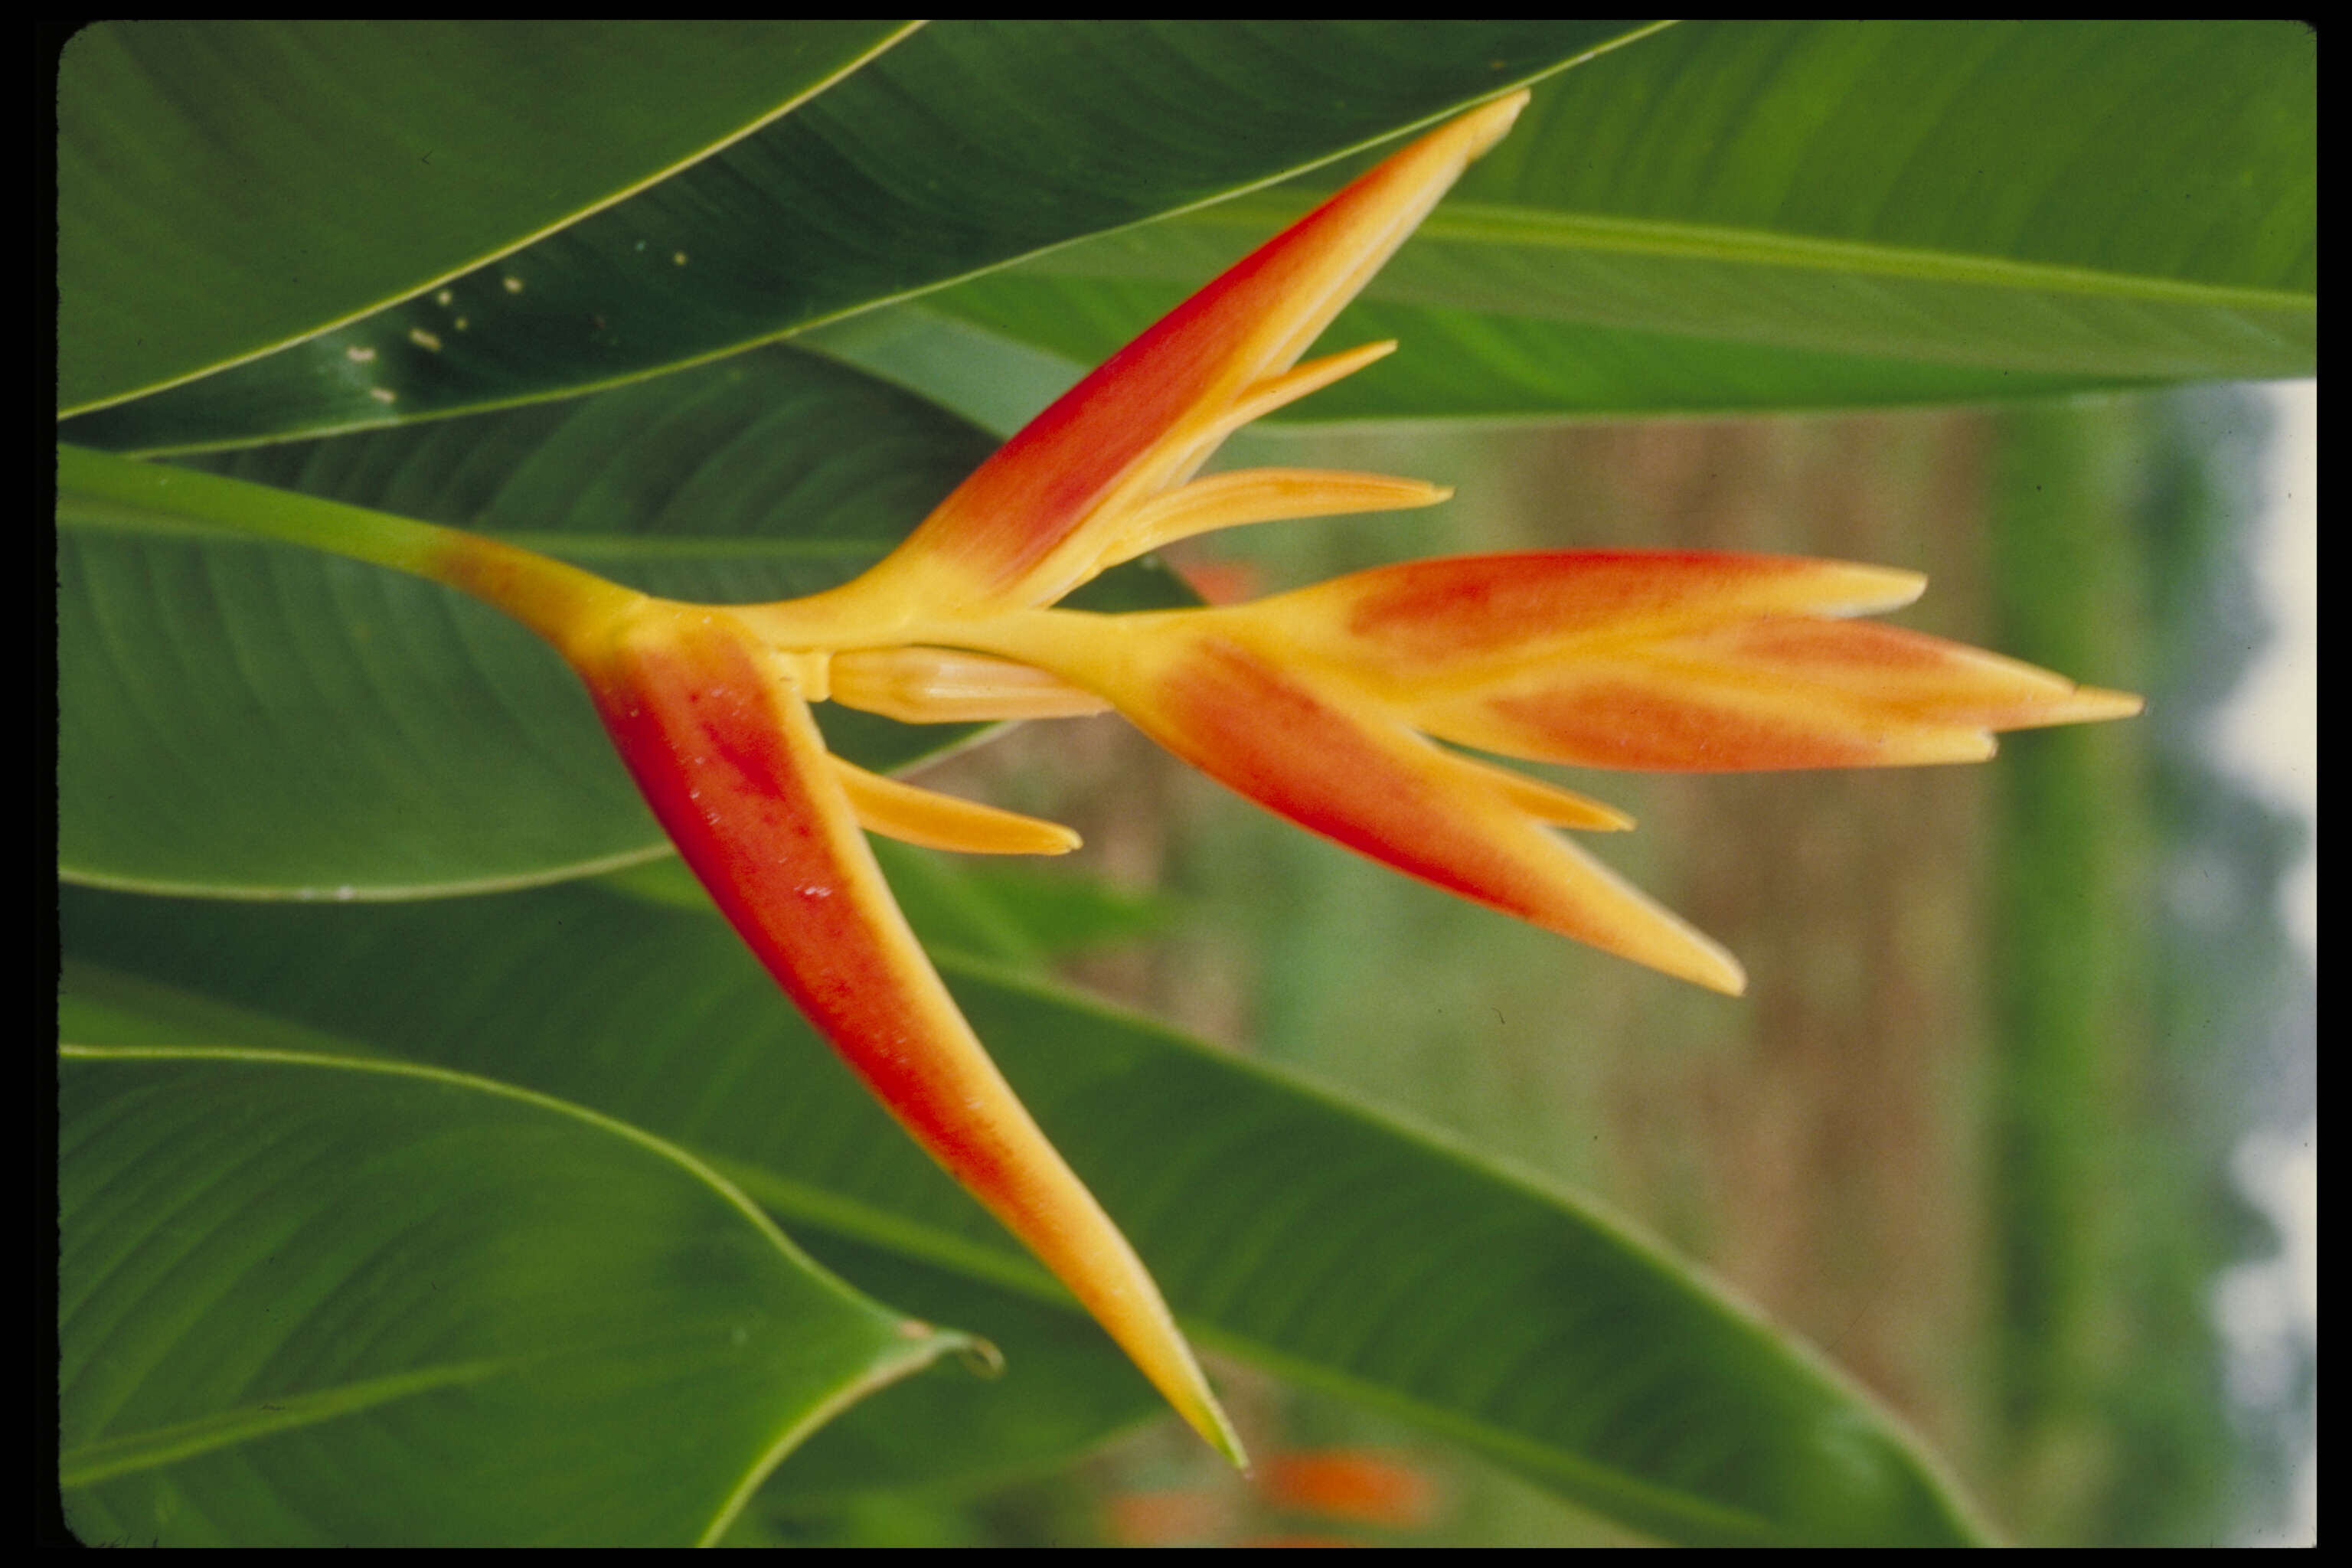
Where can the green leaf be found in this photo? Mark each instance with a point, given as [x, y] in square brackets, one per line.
[1286, 1225]
[1740, 215]
[310, 1300]
[225, 188]
[1013, 912]
[999, 349]
[1062, 1389]
[997, 382]
[246, 718]
[966, 146]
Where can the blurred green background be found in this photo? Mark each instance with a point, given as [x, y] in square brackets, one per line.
[1968, 1132]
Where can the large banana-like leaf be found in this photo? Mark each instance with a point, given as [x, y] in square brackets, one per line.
[311, 1299]
[965, 146]
[1287, 1223]
[226, 187]
[1738, 216]
[248, 719]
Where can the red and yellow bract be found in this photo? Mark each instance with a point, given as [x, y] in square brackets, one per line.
[1320, 704]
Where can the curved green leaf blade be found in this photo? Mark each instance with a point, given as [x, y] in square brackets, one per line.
[1062, 1391]
[250, 720]
[1062, 1386]
[284, 1275]
[226, 187]
[968, 145]
[2026, 142]
[1284, 1223]
[245, 718]
[1742, 216]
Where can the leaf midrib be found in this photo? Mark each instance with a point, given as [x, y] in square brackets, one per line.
[1462, 222]
[88, 1463]
[74, 514]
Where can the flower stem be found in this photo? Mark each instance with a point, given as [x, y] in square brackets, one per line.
[558, 600]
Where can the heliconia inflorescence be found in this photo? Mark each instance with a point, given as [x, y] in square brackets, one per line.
[1325, 705]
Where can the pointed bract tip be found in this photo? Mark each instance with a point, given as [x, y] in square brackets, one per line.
[1850, 588]
[1490, 123]
[1702, 962]
[2091, 703]
[1226, 1441]
[1199, 1409]
[913, 815]
[1656, 938]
